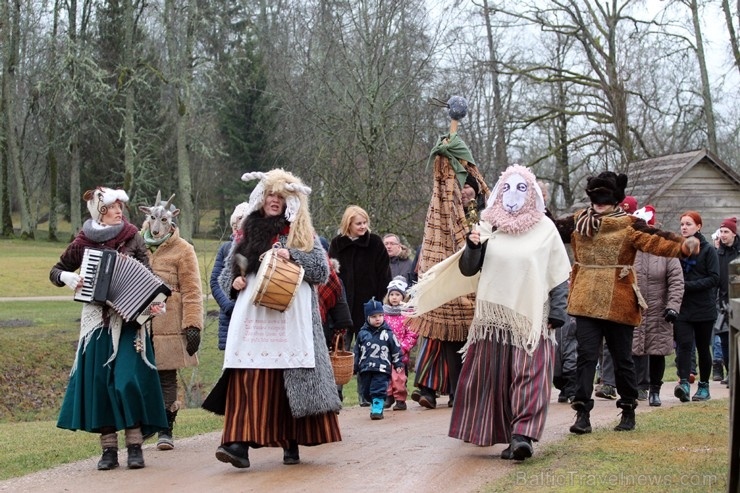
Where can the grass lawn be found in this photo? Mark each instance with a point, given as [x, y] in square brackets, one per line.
[678, 449]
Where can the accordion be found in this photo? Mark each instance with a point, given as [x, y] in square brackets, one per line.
[121, 282]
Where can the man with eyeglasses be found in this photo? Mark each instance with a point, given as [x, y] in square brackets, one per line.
[401, 264]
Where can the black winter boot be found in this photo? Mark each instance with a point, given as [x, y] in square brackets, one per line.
[109, 460]
[627, 423]
[165, 440]
[718, 370]
[290, 454]
[135, 456]
[234, 453]
[583, 419]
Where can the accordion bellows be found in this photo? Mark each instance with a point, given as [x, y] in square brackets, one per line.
[121, 282]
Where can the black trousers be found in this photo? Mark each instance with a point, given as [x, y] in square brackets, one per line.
[687, 333]
[589, 334]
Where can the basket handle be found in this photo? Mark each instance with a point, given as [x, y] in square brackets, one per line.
[338, 340]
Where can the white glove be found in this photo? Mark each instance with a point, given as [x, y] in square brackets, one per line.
[71, 279]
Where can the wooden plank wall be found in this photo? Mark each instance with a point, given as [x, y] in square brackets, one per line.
[703, 189]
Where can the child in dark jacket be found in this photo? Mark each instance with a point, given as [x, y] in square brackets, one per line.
[377, 355]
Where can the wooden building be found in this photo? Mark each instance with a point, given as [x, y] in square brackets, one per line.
[693, 180]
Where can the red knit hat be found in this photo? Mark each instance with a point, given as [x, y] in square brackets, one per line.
[730, 223]
[629, 204]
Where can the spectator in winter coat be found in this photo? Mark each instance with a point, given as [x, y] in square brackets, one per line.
[333, 308]
[698, 310]
[365, 268]
[729, 250]
[660, 280]
[225, 304]
[398, 253]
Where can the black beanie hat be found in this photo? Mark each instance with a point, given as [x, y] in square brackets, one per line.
[473, 183]
[607, 188]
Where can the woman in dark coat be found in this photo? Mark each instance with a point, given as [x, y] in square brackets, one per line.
[365, 270]
[698, 311]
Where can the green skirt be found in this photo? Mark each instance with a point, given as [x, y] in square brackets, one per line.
[122, 394]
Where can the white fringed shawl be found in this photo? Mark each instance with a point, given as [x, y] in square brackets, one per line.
[92, 319]
[512, 289]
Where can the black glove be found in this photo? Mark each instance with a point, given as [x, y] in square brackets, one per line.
[192, 339]
[670, 315]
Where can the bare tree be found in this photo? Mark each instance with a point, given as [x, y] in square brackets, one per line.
[10, 33]
[732, 30]
[179, 21]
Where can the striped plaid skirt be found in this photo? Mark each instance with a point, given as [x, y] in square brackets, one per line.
[431, 366]
[258, 412]
[502, 391]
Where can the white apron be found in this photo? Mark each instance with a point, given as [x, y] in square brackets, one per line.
[261, 337]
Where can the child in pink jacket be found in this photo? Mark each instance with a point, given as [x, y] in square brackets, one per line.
[392, 309]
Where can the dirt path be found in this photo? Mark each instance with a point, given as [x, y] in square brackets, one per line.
[407, 451]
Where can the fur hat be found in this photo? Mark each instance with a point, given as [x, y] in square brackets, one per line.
[99, 199]
[373, 307]
[290, 187]
[238, 215]
[473, 184]
[730, 223]
[607, 188]
[399, 284]
[647, 214]
[629, 204]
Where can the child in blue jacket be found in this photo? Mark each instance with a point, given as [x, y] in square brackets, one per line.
[377, 354]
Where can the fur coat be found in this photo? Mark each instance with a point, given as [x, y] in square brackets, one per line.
[603, 284]
[176, 263]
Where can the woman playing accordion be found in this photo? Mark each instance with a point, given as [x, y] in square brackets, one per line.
[114, 383]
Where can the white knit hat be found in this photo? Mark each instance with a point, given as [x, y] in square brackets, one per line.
[240, 211]
[99, 199]
[399, 284]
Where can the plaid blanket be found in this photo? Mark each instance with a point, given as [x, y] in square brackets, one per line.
[444, 234]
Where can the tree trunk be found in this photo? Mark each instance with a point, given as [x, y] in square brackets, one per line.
[129, 127]
[6, 221]
[10, 38]
[180, 56]
[733, 33]
[706, 92]
[500, 155]
[51, 157]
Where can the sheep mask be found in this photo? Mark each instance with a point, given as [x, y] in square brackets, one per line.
[516, 203]
[290, 187]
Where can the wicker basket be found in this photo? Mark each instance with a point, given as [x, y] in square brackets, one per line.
[342, 361]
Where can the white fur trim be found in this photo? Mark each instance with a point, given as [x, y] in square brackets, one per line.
[239, 211]
[292, 206]
[256, 198]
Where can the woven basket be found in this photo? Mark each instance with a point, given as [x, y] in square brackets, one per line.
[342, 361]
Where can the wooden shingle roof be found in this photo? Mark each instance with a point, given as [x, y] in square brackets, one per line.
[649, 178]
